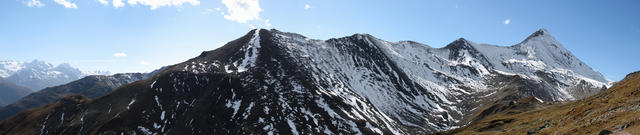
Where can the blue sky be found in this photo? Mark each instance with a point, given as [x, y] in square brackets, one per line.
[142, 35]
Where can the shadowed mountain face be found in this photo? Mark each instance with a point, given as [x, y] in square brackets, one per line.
[275, 82]
[10, 92]
[614, 111]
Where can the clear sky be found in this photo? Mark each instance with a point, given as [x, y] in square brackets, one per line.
[142, 35]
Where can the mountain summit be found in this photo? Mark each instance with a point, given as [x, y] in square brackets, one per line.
[540, 32]
[270, 82]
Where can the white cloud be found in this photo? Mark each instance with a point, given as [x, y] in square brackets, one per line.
[144, 63]
[218, 9]
[103, 2]
[120, 54]
[242, 11]
[508, 21]
[251, 26]
[117, 3]
[267, 23]
[66, 3]
[306, 6]
[35, 3]
[154, 4]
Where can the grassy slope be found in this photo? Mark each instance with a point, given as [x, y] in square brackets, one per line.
[616, 110]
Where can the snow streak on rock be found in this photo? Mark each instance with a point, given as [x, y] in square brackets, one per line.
[251, 53]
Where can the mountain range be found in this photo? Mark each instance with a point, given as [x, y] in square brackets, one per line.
[37, 74]
[272, 82]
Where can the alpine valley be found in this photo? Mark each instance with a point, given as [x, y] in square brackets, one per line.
[272, 82]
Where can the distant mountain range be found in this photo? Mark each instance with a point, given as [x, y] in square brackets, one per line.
[272, 82]
[37, 75]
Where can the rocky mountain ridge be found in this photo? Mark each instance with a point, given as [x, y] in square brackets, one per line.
[272, 82]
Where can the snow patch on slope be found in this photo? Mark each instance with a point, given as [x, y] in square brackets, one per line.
[251, 53]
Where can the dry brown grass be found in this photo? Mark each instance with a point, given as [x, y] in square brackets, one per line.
[616, 110]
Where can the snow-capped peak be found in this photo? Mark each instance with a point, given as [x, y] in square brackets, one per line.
[460, 43]
[9, 67]
[542, 46]
[540, 32]
[542, 35]
[39, 74]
